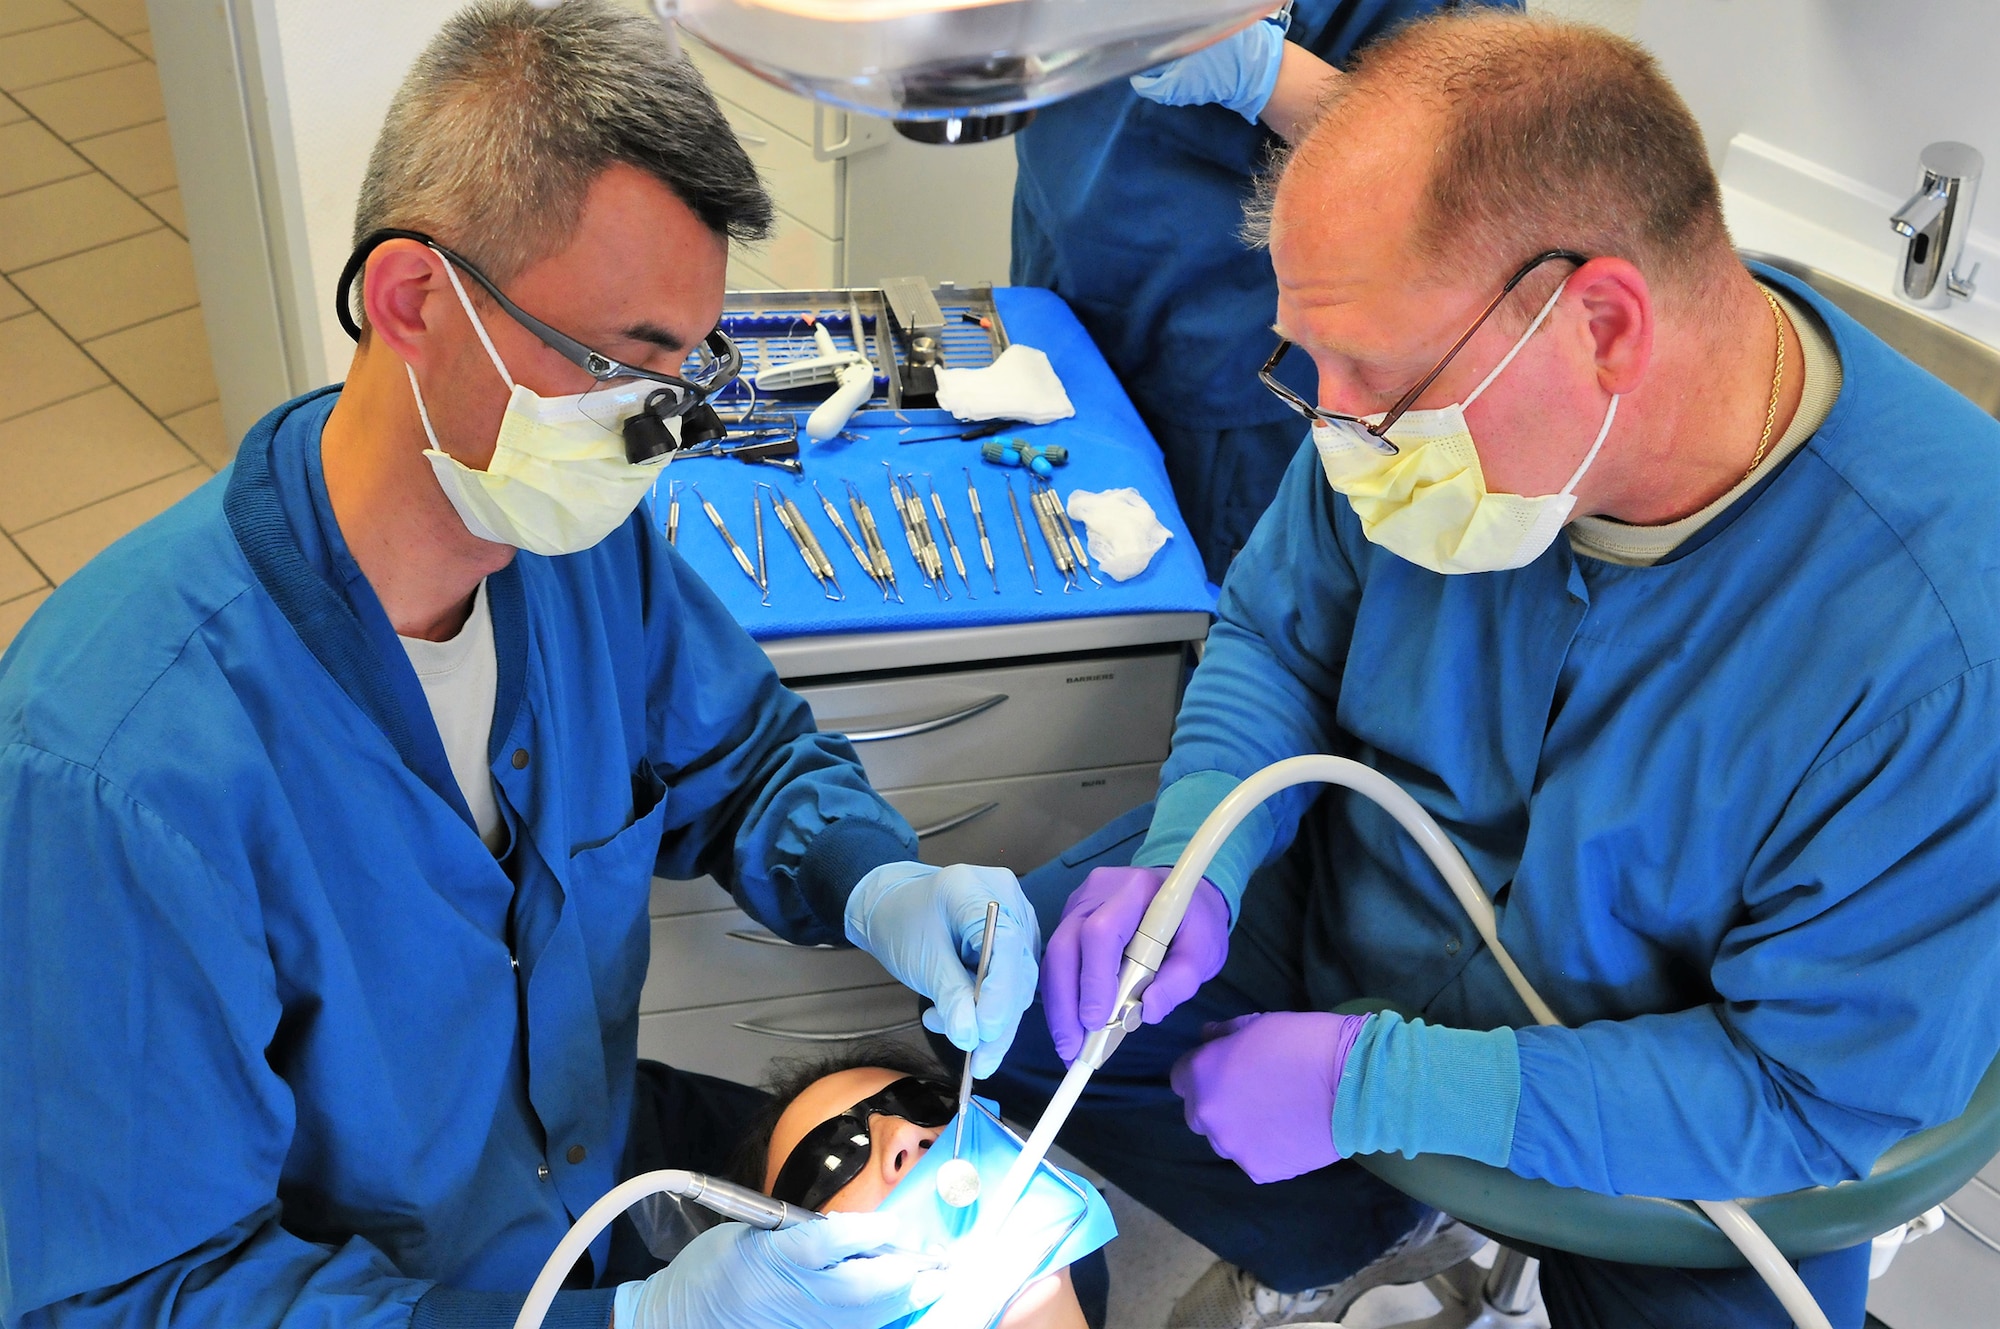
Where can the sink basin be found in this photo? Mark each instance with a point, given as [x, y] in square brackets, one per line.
[1970, 366]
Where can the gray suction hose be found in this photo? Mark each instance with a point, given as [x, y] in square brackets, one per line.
[1148, 948]
[729, 1200]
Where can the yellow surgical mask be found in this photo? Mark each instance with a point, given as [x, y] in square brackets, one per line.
[1427, 501]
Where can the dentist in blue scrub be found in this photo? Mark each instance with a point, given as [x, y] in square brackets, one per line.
[1669, 591]
[1128, 202]
[330, 799]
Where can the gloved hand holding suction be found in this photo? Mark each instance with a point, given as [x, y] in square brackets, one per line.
[925, 925]
[850, 1271]
[1080, 967]
[1262, 1089]
[1239, 72]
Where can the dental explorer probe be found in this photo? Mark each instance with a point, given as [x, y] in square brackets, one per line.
[1051, 537]
[1021, 529]
[715, 520]
[950, 540]
[878, 553]
[1069, 529]
[958, 1180]
[674, 512]
[929, 541]
[853, 545]
[763, 570]
[823, 566]
[979, 520]
[909, 530]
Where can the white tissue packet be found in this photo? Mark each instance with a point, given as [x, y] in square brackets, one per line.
[1020, 385]
[1124, 533]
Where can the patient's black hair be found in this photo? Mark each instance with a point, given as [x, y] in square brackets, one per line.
[793, 1076]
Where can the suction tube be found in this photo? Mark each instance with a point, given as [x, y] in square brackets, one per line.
[1162, 920]
[731, 1201]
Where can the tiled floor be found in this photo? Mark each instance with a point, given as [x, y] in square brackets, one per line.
[107, 399]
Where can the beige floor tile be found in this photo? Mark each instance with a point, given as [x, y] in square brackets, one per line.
[14, 616]
[72, 454]
[165, 362]
[116, 286]
[30, 155]
[30, 59]
[17, 575]
[66, 217]
[22, 15]
[124, 17]
[62, 546]
[201, 430]
[12, 302]
[10, 110]
[140, 158]
[92, 104]
[38, 365]
[167, 204]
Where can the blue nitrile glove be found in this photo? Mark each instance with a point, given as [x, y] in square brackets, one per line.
[849, 1271]
[924, 924]
[1239, 72]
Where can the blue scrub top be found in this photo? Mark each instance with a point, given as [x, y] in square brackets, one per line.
[1130, 211]
[1739, 811]
[280, 1040]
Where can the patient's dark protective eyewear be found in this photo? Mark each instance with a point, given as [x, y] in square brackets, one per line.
[1377, 433]
[646, 432]
[834, 1152]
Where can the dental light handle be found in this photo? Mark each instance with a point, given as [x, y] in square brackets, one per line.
[731, 1201]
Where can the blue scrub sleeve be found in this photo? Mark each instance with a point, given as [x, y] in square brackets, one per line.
[1414, 1088]
[1873, 896]
[778, 812]
[1268, 684]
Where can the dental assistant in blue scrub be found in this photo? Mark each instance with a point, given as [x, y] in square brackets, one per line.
[1128, 202]
[1669, 591]
[331, 798]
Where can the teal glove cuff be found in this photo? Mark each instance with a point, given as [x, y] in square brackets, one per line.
[1179, 813]
[1414, 1088]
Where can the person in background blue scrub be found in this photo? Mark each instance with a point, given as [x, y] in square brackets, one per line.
[1128, 203]
[1669, 593]
[331, 799]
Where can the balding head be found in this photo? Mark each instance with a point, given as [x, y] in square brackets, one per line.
[1490, 137]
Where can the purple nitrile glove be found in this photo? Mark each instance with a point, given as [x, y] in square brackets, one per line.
[1261, 1089]
[1080, 964]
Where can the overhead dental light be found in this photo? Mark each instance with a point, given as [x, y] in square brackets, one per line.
[954, 71]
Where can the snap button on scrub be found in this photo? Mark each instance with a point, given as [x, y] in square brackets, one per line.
[1451, 945]
[575, 1154]
[520, 759]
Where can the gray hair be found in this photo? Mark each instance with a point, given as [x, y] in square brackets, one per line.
[512, 112]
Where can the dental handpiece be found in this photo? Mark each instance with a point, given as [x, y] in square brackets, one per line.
[979, 520]
[715, 520]
[1021, 529]
[950, 540]
[853, 545]
[814, 548]
[763, 571]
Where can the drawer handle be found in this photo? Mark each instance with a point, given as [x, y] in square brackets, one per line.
[950, 824]
[916, 727]
[763, 938]
[839, 1036]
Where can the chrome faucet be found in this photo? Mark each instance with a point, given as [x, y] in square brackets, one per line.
[1935, 222]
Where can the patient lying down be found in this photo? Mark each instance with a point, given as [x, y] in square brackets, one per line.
[844, 1134]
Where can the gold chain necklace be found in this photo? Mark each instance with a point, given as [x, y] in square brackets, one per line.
[1777, 383]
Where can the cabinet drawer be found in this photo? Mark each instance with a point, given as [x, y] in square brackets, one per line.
[1023, 822]
[706, 959]
[1022, 720]
[733, 83]
[740, 1041]
[796, 257]
[806, 189]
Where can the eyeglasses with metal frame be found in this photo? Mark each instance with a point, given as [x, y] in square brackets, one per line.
[1376, 435]
[646, 433]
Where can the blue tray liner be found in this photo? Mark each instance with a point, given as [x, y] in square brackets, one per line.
[1109, 447]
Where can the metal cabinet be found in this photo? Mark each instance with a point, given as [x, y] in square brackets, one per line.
[994, 760]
